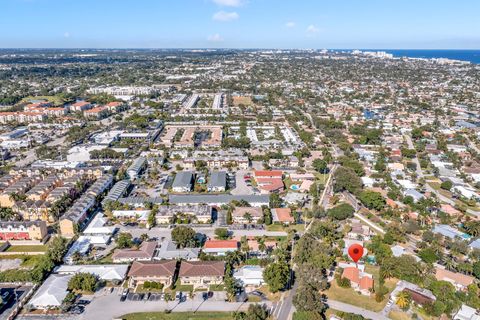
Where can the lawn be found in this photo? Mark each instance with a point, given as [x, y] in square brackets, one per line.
[247, 101]
[178, 316]
[53, 99]
[27, 261]
[279, 227]
[398, 315]
[27, 248]
[216, 287]
[348, 295]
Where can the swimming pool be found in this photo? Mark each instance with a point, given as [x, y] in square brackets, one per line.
[295, 187]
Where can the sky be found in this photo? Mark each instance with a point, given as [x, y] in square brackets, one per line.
[302, 24]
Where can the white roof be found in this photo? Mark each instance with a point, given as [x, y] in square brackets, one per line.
[52, 292]
[97, 226]
[104, 272]
[249, 275]
[466, 313]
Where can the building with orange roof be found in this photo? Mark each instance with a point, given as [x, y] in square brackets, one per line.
[359, 280]
[268, 174]
[80, 106]
[220, 247]
[269, 185]
[97, 112]
[459, 280]
[282, 215]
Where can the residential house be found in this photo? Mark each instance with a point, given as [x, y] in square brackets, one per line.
[220, 247]
[359, 279]
[459, 280]
[183, 181]
[217, 181]
[152, 271]
[23, 230]
[144, 253]
[247, 215]
[51, 293]
[201, 274]
[249, 276]
[282, 215]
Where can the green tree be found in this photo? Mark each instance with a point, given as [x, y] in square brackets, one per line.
[372, 200]
[320, 165]
[446, 185]
[307, 298]
[346, 179]
[124, 240]
[341, 212]
[222, 233]
[276, 275]
[83, 282]
[184, 236]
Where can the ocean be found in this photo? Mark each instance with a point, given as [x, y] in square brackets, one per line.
[466, 55]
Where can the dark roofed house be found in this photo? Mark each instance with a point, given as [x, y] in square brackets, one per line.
[217, 181]
[201, 274]
[153, 271]
[183, 181]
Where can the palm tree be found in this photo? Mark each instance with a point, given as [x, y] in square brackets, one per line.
[386, 273]
[449, 263]
[403, 300]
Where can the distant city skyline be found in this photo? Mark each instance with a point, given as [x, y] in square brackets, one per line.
[301, 24]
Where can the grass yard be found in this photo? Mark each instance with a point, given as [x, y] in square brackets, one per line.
[246, 101]
[27, 248]
[348, 295]
[216, 287]
[53, 99]
[178, 316]
[275, 227]
[28, 261]
[271, 296]
[398, 315]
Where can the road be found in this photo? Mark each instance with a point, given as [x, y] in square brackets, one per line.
[472, 145]
[283, 310]
[345, 307]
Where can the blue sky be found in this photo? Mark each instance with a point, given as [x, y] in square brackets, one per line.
[427, 24]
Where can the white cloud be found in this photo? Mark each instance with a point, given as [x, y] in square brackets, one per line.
[66, 35]
[311, 29]
[229, 3]
[225, 16]
[290, 24]
[215, 38]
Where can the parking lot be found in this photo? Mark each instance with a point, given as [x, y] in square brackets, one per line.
[107, 305]
[241, 184]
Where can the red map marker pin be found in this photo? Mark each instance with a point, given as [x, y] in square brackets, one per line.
[355, 251]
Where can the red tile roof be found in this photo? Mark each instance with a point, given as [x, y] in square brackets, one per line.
[268, 173]
[284, 214]
[221, 244]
